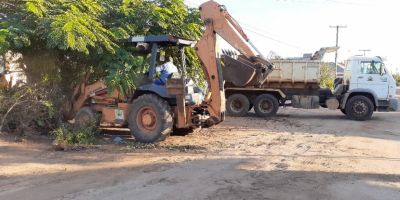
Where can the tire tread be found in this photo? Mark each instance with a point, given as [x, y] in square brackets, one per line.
[163, 108]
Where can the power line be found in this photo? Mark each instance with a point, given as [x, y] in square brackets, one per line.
[255, 30]
[364, 50]
[273, 39]
[267, 35]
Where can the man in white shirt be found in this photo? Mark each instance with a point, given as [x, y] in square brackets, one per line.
[164, 71]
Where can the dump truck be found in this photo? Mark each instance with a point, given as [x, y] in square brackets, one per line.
[367, 86]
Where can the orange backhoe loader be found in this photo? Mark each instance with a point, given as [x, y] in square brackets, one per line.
[153, 110]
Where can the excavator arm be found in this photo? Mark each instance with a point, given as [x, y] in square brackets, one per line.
[252, 68]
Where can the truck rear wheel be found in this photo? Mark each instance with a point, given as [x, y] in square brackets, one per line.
[359, 108]
[266, 105]
[237, 105]
[150, 119]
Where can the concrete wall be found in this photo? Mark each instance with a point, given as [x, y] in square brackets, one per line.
[15, 74]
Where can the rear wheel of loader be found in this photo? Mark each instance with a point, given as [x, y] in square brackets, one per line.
[150, 119]
[84, 117]
[237, 105]
[266, 105]
[359, 108]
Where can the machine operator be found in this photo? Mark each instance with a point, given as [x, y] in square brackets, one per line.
[164, 71]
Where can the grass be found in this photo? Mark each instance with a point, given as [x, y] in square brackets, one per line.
[81, 135]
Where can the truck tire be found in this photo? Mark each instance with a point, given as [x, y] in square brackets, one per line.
[359, 108]
[266, 105]
[237, 105]
[84, 117]
[150, 119]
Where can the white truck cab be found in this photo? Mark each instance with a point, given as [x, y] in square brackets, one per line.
[368, 86]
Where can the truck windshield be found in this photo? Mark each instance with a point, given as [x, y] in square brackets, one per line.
[371, 67]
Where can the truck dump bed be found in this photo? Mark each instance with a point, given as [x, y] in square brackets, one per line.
[290, 73]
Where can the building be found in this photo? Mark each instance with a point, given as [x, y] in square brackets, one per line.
[339, 69]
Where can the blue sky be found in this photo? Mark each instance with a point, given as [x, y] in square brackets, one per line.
[293, 27]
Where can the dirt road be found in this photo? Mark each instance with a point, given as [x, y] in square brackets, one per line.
[297, 155]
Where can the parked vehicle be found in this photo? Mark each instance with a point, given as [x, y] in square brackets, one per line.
[154, 110]
[367, 86]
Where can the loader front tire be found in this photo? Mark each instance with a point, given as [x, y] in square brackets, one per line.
[150, 119]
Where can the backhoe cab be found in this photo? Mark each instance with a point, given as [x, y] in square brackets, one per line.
[156, 108]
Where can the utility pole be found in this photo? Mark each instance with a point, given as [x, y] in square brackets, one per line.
[337, 43]
[364, 50]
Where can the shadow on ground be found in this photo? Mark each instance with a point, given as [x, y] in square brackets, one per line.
[204, 179]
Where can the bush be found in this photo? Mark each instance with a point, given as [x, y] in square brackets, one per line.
[81, 135]
[327, 77]
[397, 78]
[30, 109]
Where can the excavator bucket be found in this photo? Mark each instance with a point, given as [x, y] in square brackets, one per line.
[238, 71]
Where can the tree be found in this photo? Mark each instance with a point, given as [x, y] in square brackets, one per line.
[143, 17]
[62, 39]
[327, 76]
[397, 78]
[55, 36]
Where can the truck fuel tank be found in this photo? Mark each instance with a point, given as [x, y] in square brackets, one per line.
[305, 102]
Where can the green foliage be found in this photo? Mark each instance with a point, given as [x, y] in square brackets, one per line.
[71, 25]
[32, 109]
[144, 17]
[327, 76]
[397, 78]
[123, 70]
[4, 44]
[160, 17]
[82, 135]
[86, 35]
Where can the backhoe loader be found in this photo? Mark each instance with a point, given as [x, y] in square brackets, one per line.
[154, 110]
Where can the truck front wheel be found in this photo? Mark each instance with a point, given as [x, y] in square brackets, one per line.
[266, 105]
[359, 108]
[237, 105]
[150, 119]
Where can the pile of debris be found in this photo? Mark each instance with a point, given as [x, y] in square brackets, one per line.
[30, 109]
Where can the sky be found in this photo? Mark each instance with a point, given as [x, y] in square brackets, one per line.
[293, 27]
